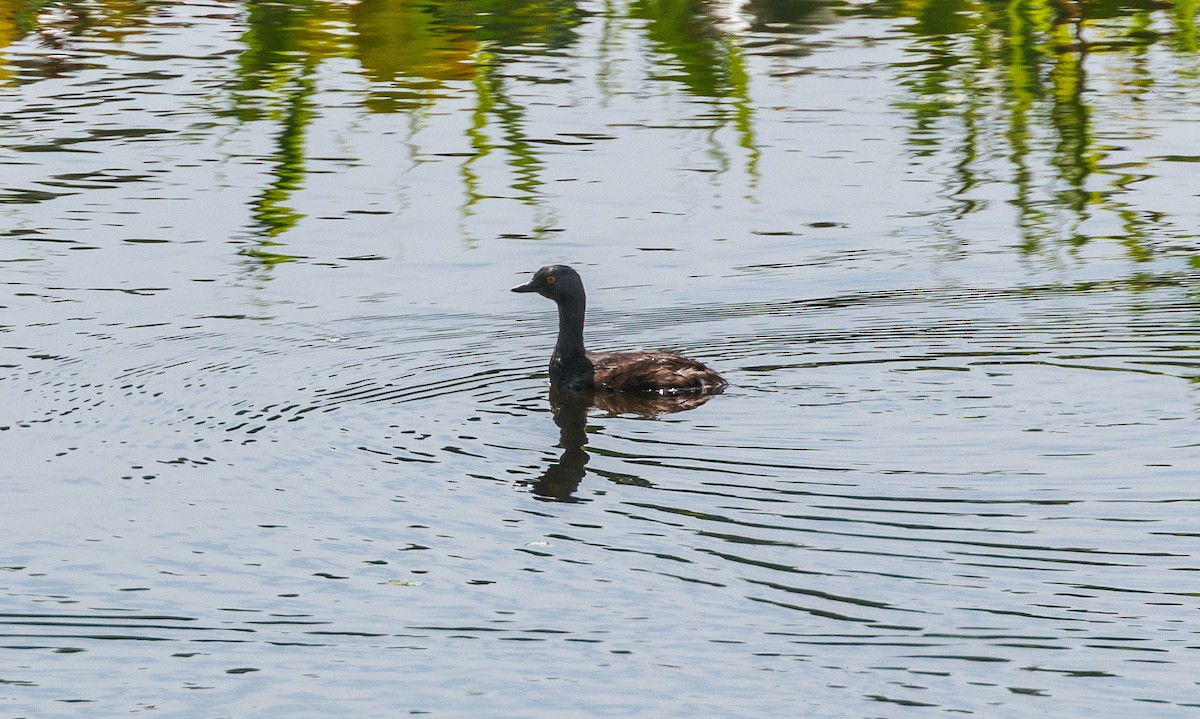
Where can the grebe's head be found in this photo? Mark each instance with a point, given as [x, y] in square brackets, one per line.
[558, 282]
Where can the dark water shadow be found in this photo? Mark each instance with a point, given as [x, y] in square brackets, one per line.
[570, 409]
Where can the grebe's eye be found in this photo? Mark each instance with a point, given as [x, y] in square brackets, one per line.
[551, 279]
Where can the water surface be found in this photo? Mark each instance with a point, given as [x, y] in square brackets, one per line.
[275, 430]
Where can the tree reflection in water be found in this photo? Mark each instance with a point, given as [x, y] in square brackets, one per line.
[1013, 92]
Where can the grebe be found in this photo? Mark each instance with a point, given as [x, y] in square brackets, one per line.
[573, 367]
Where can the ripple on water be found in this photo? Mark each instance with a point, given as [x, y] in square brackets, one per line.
[266, 474]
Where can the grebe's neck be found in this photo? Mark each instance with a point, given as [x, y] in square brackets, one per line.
[570, 367]
[570, 328]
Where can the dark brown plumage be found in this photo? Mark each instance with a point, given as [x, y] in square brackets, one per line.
[651, 370]
[573, 367]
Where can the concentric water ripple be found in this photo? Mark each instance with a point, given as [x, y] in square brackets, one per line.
[877, 532]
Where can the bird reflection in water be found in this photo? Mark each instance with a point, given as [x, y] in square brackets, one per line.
[570, 408]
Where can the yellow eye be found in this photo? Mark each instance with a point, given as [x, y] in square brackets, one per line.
[551, 279]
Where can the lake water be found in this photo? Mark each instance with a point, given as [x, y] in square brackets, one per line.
[277, 439]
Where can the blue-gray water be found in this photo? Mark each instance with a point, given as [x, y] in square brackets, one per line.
[276, 437]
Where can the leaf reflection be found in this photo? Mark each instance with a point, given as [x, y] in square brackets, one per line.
[284, 43]
[1027, 61]
[988, 88]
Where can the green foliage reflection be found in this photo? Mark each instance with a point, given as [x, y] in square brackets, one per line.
[986, 84]
[1026, 63]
